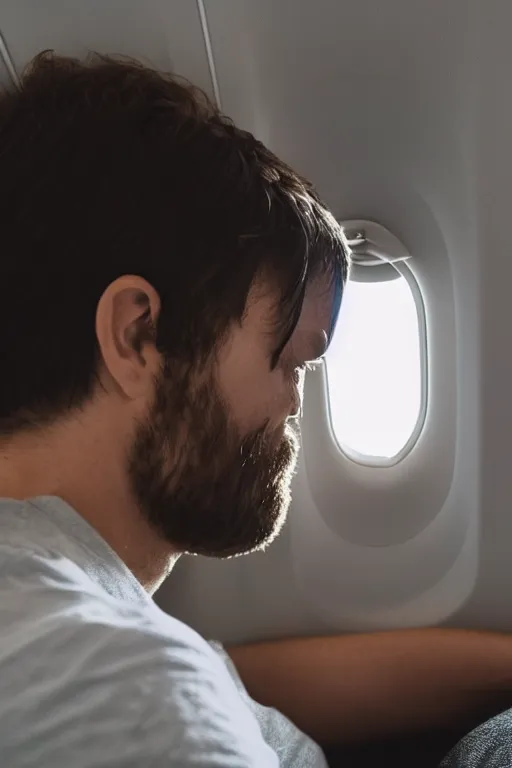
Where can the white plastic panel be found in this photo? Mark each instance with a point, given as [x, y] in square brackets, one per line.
[165, 34]
[378, 110]
[491, 602]
[401, 117]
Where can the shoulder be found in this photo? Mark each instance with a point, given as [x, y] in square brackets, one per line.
[91, 680]
[122, 687]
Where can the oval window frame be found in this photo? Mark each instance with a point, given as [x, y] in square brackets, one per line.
[368, 460]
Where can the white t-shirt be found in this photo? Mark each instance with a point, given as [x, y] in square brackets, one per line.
[94, 675]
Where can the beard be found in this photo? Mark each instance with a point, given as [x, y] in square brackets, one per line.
[202, 487]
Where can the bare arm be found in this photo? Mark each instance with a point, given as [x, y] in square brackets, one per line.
[342, 689]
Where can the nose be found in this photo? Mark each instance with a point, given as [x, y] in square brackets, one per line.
[298, 392]
[296, 404]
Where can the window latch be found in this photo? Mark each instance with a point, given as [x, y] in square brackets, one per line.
[372, 245]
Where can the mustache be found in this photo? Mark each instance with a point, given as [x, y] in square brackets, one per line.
[267, 440]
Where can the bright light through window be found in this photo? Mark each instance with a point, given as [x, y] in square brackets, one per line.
[374, 369]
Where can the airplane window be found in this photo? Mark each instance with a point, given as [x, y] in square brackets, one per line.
[375, 369]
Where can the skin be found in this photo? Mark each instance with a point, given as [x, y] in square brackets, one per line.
[82, 458]
[383, 685]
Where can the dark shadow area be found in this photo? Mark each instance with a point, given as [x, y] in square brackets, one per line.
[424, 750]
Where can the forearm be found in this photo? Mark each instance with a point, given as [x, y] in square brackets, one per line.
[376, 685]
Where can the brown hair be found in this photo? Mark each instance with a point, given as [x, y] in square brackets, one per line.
[108, 167]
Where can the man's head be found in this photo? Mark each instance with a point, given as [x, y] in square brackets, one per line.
[166, 279]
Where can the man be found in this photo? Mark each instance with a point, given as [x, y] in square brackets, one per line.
[165, 282]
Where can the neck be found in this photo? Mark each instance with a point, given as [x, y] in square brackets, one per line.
[84, 469]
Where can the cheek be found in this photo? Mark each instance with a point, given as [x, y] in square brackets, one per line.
[252, 392]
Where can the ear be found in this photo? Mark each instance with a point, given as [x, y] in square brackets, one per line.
[126, 319]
